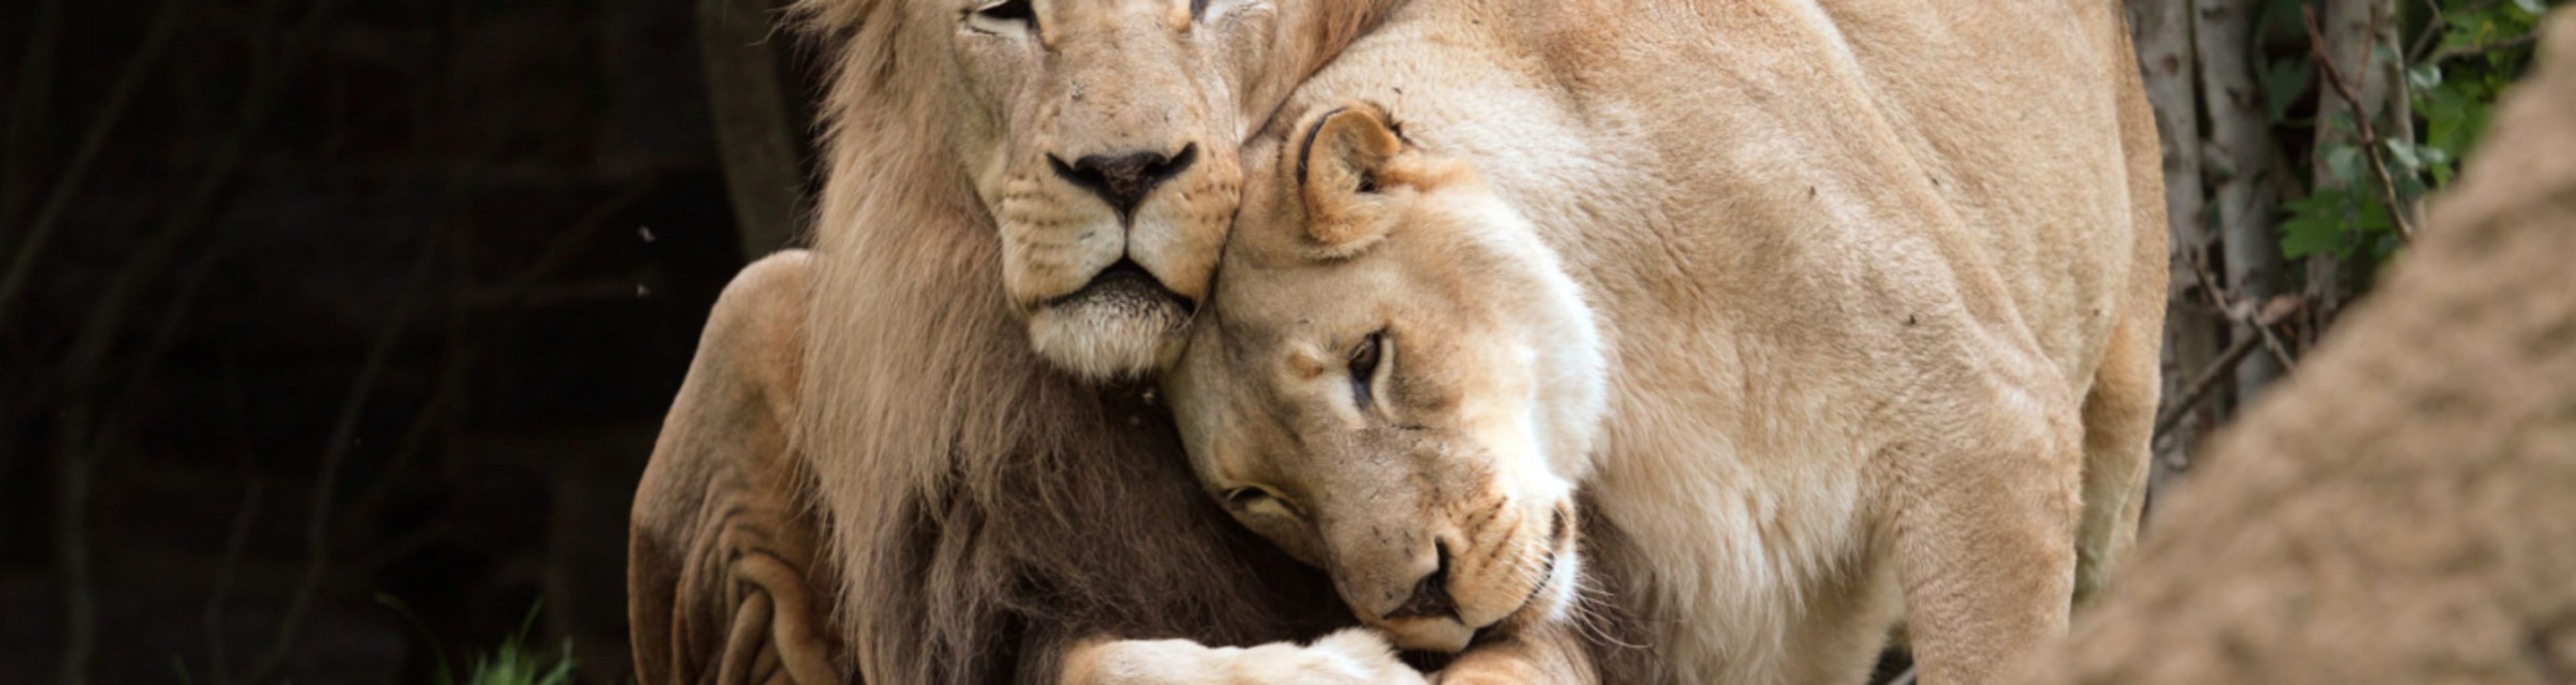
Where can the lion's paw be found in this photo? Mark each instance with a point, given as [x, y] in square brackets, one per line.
[1353, 657]
[1350, 657]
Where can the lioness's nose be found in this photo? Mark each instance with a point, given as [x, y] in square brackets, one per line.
[1124, 179]
[1430, 595]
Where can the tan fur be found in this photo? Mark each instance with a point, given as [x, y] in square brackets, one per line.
[1876, 286]
[722, 567]
[2402, 509]
[908, 421]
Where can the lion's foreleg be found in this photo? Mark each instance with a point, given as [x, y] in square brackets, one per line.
[1350, 657]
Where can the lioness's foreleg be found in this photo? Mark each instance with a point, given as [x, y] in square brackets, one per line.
[1356, 656]
[1983, 538]
[1554, 653]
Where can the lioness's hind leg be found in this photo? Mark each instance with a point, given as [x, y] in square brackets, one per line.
[1983, 539]
[2119, 427]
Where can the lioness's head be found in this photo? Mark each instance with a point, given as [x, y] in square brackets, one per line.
[1102, 136]
[1396, 381]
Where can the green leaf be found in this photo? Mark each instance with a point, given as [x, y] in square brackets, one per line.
[2303, 237]
[2343, 162]
[2424, 76]
[2284, 82]
[2372, 216]
[2401, 158]
[2316, 224]
[2531, 6]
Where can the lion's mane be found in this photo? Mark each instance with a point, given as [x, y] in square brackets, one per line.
[978, 502]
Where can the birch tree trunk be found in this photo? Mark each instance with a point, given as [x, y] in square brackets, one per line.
[2351, 30]
[2167, 61]
[2239, 161]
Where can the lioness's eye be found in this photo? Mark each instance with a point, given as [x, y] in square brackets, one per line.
[1364, 359]
[994, 16]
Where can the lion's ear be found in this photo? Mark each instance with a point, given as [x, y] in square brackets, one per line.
[1342, 157]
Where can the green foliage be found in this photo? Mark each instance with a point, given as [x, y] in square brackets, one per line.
[515, 664]
[2451, 87]
[512, 664]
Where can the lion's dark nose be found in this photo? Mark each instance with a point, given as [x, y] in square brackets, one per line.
[1123, 180]
[1431, 596]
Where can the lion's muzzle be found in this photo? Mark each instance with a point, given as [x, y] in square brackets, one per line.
[1123, 180]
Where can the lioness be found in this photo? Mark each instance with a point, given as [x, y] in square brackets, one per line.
[1843, 314]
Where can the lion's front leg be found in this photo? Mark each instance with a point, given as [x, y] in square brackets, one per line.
[724, 580]
[1351, 657]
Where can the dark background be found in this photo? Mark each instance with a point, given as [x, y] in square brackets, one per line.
[319, 307]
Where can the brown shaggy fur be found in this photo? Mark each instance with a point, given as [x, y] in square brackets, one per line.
[2403, 510]
[979, 511]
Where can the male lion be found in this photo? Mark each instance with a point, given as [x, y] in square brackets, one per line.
[890, 458]
[1842, 315]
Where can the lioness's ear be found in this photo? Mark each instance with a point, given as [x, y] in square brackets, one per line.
[1342, 156]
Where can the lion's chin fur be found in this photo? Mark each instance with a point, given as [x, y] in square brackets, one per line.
[1109, 337]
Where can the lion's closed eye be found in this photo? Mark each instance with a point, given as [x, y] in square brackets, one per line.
[1255, 499]
[1243, 497]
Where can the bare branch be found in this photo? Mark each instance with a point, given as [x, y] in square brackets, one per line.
[2475, 50]
[2169, 64]
[28, 105]
[2243, 157]
[2201, 383]
[82, 433]
[212, 620]
[41, 229]
[71, 548]
[2249, 317]
[318, 516]
[514, 297]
